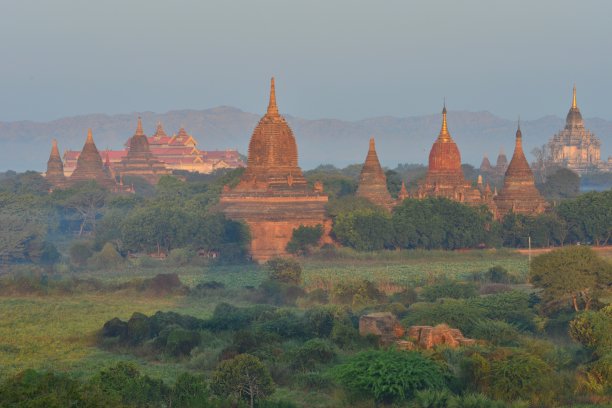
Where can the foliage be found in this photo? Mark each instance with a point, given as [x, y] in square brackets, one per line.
[107, 258]
[285, 270]
[364, 229]
[80, 252]
[438, 223]
[313, 352]
[245, 377]
[593, 330]
[575, 274]
[544, 230]
[389, 375]
[449, 289]
[304, 238]
[561, 184]
[589, 217]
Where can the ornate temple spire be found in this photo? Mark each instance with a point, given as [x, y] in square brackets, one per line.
[444, 135]
[403, 193]
[574, 104]
[272, 108]
[139, 131]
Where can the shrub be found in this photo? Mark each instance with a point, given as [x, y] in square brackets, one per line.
[313, 352]
[180, 342]
[497, 332]
[285, 270]
[389, 375]
[107, 258]
[498, 274]
[319, 321]
[180, 257]
[244, 377]
[304, 238]
[449, 289]
[521, 376]
[80, 252]
[364, 229]
[190, 391]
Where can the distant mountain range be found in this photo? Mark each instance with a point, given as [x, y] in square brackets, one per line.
[25, 145]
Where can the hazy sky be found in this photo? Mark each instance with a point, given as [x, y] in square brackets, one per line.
[343, 59]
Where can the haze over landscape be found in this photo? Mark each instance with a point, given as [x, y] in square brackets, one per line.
[349, 63]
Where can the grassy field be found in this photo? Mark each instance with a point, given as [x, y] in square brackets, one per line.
[59, 331]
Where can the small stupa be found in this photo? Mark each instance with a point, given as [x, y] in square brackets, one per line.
[55, 168]
[372, 180]
[519, 193]
[90, 166]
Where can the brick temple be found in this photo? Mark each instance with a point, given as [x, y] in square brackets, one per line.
[55, 168]
[373, 182]
[139, 160]
[273, 198]
[445, 177]
[519, 193]
[90, 167]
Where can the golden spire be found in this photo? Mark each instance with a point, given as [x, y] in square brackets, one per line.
[372, 144]
[272, 108]
[444, 131]
[574, 104]
[139, 130]
[89, 136]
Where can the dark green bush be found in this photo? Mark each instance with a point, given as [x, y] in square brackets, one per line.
[389, 375]
[285, 270]
[312, 353]
[449, 289]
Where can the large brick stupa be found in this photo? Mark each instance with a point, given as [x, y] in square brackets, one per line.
[273, 198]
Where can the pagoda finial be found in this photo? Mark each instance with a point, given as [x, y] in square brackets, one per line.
[372, 144]
[139, 130]
[444, 131]
[519, 134]
[574, 104]
[272, 108]
[89, 136]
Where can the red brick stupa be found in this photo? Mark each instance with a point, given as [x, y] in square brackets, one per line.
[444, 175]
[55, 168]
[139, 160]
[519, 194]
[90, 167]
[373, 182]
[273, 197]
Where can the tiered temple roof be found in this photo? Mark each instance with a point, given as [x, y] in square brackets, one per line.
[444, 176]
[372, 180]
[55, 168]
[575, 147]
[273, 197]
[90, 166]
[140, 161]
[519, 194]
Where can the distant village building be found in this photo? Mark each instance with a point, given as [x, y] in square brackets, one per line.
[445, 177]
[373, 182]
[519, 194]
[273, 198]
[575, 147]
[177, 152]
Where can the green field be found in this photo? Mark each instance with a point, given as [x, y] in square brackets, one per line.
[59, 330]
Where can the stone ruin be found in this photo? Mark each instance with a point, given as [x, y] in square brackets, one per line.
[389, 330]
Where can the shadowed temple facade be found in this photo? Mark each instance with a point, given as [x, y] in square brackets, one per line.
[272, 197]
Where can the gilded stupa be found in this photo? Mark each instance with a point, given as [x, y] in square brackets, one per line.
[55, 168]
[272, 197]
[90, 166]
[139, 160]
[575, 147]
[519, 194]
[372, 180]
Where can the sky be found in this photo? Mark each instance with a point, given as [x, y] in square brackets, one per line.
[345, 59]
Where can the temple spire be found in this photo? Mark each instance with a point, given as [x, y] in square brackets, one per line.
[89, 136]
[54, 148]
[272, 108]
[372, 144]
[139, 130]
[574, 104]
[444, 131]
